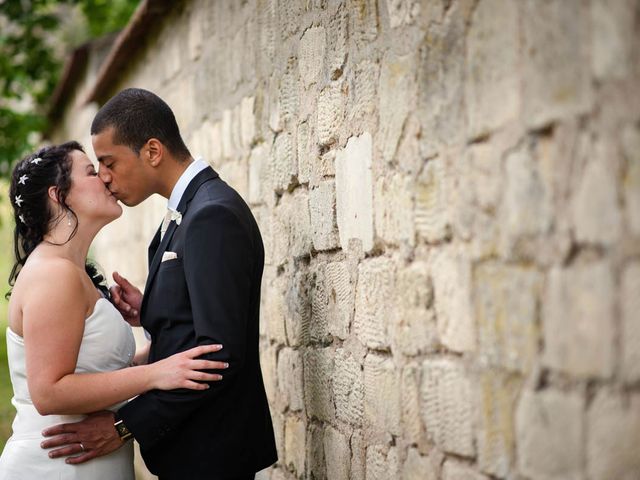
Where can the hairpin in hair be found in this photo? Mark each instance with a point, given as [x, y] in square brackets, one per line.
[19, 200]
[23, 179]
[22, 219]
[36, 160]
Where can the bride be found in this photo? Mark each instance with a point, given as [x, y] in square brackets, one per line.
[68, 346]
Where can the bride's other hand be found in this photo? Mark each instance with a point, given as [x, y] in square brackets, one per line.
[184, 370]
[127, 299]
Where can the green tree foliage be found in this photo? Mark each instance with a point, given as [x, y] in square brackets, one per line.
[31, 61]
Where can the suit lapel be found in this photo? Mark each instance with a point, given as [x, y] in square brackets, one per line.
[155, 255]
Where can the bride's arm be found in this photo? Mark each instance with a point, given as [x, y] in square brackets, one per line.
[53, 315]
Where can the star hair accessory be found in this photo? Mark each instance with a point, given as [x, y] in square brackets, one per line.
[22, 219]
[23, 179]
[19, 200]
[36, 160]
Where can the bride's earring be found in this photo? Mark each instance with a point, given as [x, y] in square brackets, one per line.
[68, 219]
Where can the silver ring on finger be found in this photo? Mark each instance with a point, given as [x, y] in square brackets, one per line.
[81, 446]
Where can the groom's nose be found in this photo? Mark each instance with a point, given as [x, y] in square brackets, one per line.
[104, 175]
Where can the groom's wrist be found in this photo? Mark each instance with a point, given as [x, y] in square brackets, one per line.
[123, 432]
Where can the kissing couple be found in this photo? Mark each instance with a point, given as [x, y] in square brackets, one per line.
[193, 397]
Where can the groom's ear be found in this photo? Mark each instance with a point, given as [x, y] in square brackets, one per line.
[153, 152]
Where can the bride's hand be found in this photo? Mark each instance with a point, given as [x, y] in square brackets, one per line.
[127, 299]
[183, 370]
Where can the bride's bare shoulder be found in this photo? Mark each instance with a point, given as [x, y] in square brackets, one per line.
[48, 275]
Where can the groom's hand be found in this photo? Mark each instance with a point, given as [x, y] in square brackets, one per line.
[127, 299]
[92, 437]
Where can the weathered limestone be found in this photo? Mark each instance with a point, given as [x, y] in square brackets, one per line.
[354, 192]
[492, 80]
[578, 333]
[614, 423]
[506, 300]
[550, 427]
[447, 409]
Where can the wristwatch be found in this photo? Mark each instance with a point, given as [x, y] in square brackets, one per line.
[123, 432]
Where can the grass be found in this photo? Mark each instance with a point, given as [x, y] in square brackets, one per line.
[7, 411]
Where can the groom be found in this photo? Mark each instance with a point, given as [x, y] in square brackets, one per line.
[205, 269]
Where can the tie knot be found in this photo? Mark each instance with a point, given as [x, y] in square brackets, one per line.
[169, 216]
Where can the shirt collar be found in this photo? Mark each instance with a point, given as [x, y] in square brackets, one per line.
[181, 185]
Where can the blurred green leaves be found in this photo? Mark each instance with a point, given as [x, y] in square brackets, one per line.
[34, 42]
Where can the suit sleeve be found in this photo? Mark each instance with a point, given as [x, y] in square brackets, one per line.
[217, 265]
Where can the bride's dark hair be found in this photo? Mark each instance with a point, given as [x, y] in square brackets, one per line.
[29, 194]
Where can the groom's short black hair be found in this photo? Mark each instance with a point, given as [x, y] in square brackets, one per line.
[137, 115]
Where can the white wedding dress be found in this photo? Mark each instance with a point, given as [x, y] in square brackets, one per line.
[107, 345]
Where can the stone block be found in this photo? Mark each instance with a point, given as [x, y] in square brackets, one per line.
[498, 393]
[319, 324]
[354, 192]
[259, 175]
[417, 467]
[612, 38]
[402, 12]
[382, 462]
[322, 207]
[288, 94]
[412, 428]
[373, 309]
[348, 388]
[338, 38]
[358, 456]
[298, 302]
[526, 210]
[441, 78]
[613, 436]
[247, 122]
[393, 207]
[293, 216]
[447, 407]
[340, 298]
[577, 327]
[283, 163]
[431, 208]
[330, 113]
[506, 303]
[597, 217]
[337, 454]
[550, 435]
[274, 309]
[295, 433]
[492, 66]
[290, 378]
[269, 367]
[556, 73]
[315, 452]
[311, 55]
[306, 152]
[363, 89]
[363, 22]
[451, 274]
[630, 308]
[318, 380]
[631, 181]
[414, 323]
[397, 92]
[382, 407]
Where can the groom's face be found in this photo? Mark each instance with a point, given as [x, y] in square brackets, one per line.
[121, 169]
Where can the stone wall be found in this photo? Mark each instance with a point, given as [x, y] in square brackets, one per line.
[449, 195]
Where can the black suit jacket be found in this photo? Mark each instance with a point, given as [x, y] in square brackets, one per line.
[209, 294]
